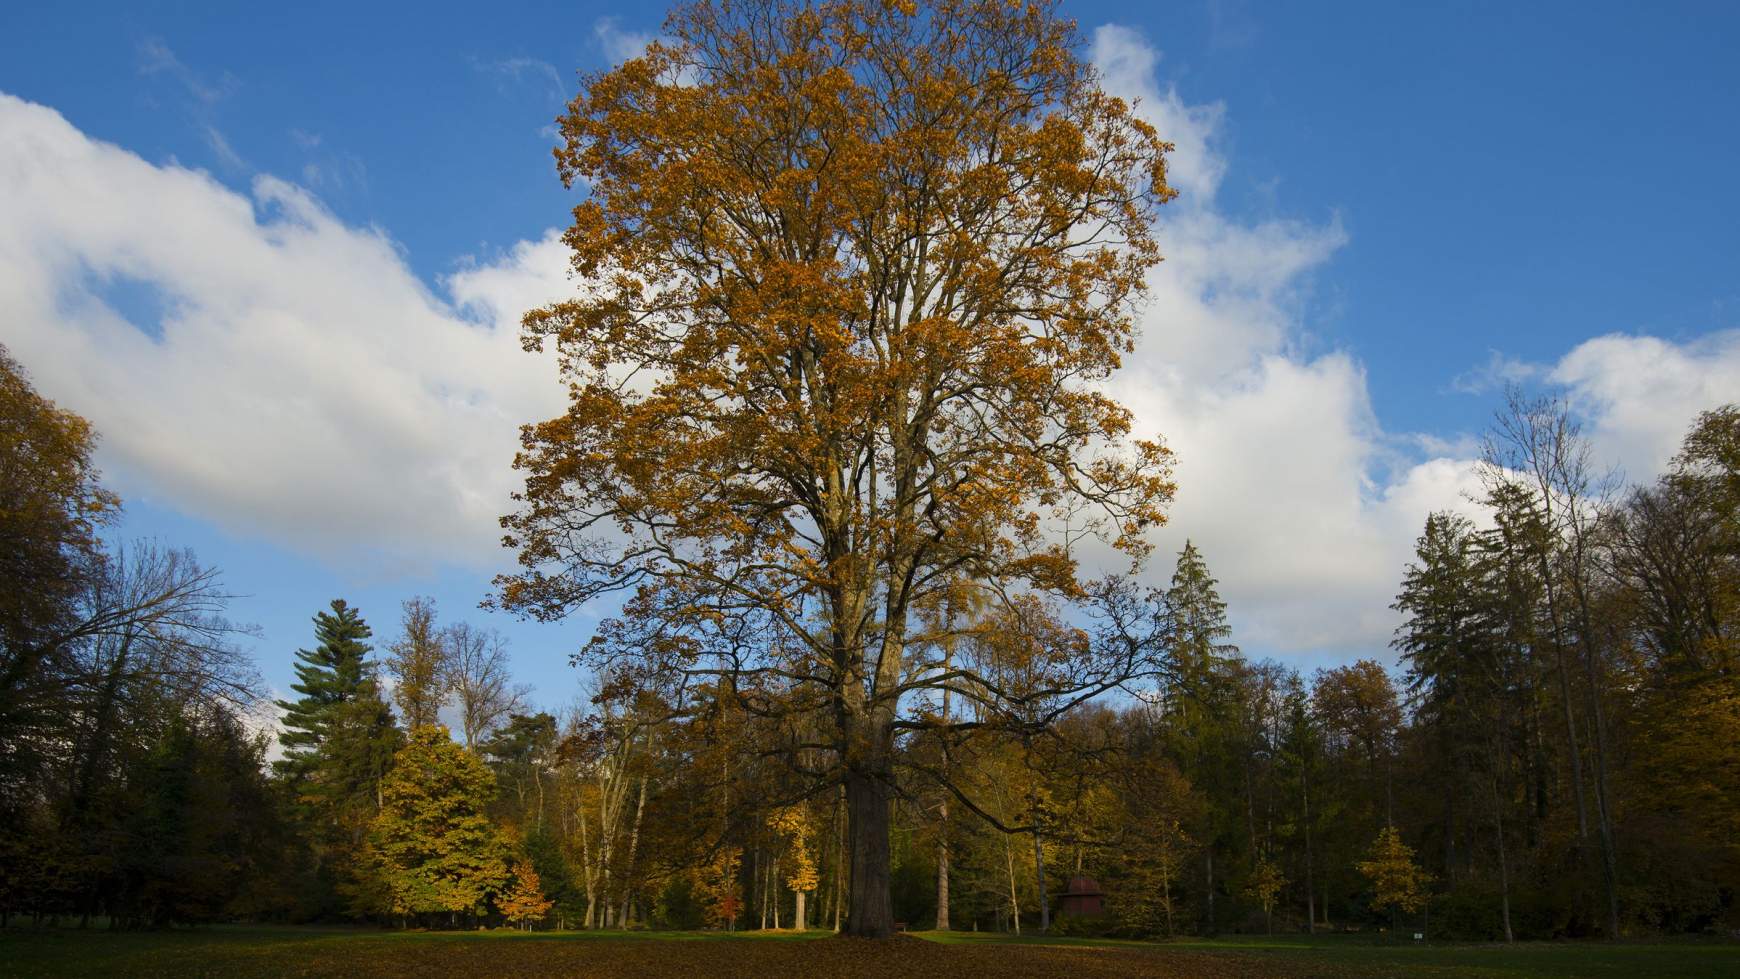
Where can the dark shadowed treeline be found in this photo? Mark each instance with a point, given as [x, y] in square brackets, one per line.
[1556, 752]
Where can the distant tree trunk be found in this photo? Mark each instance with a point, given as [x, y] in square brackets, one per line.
[633, 844]
[759, 876]
[1503, 865]
[1603, 813]
[1014, 897]
[942, 872]
[1310, 894]
[1039, 878]
[1208, 852]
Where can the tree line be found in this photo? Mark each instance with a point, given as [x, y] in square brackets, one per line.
[1554, 753]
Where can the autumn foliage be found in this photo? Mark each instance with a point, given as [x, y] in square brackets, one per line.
[852, 275]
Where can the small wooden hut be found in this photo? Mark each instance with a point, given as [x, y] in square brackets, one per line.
[1083, 898]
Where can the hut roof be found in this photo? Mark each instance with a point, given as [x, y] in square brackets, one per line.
[1083, 887]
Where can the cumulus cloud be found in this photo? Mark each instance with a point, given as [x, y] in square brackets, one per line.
[1279, 455]
[254, 360]
[1641, 394]
[251, 359]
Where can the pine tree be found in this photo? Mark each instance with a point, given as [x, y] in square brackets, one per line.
[1198, 617]
[329, 676]
[339, 736]
[524, 901]
[433, 848]
[1200, 708]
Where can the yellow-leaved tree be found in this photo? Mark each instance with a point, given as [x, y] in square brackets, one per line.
[854, 276]
[794, 826]
[1264, 884]
[716, 883]
[524, 901]
[1397, 882]
[432, 848]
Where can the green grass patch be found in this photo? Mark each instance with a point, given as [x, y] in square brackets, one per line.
[234, 952]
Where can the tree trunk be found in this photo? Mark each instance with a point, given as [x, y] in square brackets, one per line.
[799, 920]
[633, 844]
[1604, 823]
[839, 857]
[1310, 894]
[1209, 852]
[1503, 865]
[1039, 878]
[942, 830]
[942, 872]
[871, 910]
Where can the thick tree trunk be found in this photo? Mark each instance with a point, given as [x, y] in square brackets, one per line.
[870, 909]
[799, 921]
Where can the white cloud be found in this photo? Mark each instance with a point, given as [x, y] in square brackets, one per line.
[1278, 450]
[617, 43]
[302, 383]
[1641, 394]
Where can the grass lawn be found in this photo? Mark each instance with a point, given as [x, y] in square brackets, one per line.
[240, 952]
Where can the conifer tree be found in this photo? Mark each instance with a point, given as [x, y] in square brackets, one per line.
[1199, 626]
[1198, 700]
[329, 675]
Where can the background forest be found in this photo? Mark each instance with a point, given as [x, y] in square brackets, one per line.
[1555, 751]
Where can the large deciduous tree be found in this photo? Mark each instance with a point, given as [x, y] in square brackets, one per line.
[854, 276]
[432, 847]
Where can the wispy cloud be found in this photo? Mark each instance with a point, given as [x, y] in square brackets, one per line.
[328, 168]
[617, 43]
[1499, 372]
[517, 72]
[156, 58]
[222, 149]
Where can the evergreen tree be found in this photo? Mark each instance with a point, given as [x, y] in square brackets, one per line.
[1201, 715]
[1198, 618]
[329, 675]
[340, 739]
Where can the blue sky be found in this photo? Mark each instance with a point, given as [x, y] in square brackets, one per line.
[1387, 209]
